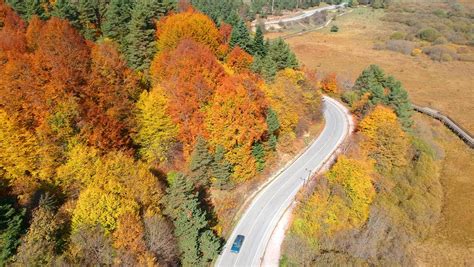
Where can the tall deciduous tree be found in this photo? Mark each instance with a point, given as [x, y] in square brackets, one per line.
[171, 30]
[296, 102]
[39, 244]
[108, 99]
[156, 130]
[235, 120]
[189, 75]
[239, 60]
[385, 140]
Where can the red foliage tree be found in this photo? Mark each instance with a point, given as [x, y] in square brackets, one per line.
[225, 30]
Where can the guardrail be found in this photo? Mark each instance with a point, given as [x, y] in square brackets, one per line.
[450, 123]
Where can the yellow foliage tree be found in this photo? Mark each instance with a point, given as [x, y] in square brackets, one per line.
[102, 204]
[79, 169]
[295, 99]
[18, 149]
[119, 185]
[156, 130]
[326, 212]
[355, 178]
[384, 139]
[187, 25]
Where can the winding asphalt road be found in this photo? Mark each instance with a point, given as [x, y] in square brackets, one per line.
[263, 214]
[305, 14]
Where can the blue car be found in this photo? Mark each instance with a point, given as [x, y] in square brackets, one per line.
[237, 244]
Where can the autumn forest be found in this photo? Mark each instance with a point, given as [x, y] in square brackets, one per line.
[129, 128]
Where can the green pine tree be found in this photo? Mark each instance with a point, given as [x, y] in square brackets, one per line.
[191, 228]
[221, 169]
[63, 9]
[240, 36]
[258, 153]
[88, 19]
[282, 55]
[269, 68]
[18, 6]
[384, 90]
[233, 19]
[259, 48]
[34, 7]
[399, 101]
[209, 246]
[140, 41]
[201, 163]
[273, 124]
[11, 228]
[117, 17]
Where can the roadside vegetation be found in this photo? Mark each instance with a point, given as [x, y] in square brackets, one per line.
[380, 198]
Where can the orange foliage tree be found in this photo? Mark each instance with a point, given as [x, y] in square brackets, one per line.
[329, 84]
[187, 25]
[12, 29]
[109, 99]
[236, 120]
[239, 60]
[189, 75]
[61, 60]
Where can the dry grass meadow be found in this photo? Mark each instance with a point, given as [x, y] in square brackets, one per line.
[452, 243]
[446, 86]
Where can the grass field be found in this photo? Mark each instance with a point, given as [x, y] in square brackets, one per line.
[452, 243]
[447, 86]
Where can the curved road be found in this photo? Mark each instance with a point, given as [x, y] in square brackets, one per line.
[263, 214]
[305, 14]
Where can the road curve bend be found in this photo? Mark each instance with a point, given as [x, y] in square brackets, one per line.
[263, 214]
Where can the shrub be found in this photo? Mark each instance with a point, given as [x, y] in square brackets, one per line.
[440, 40]
[397, 36]
[428, 34]
[401, 46]
[416, 52]
[334, 28]
[440, 13]
[441, 53]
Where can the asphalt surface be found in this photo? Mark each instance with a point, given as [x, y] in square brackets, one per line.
[263, 214]
[305, 14]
